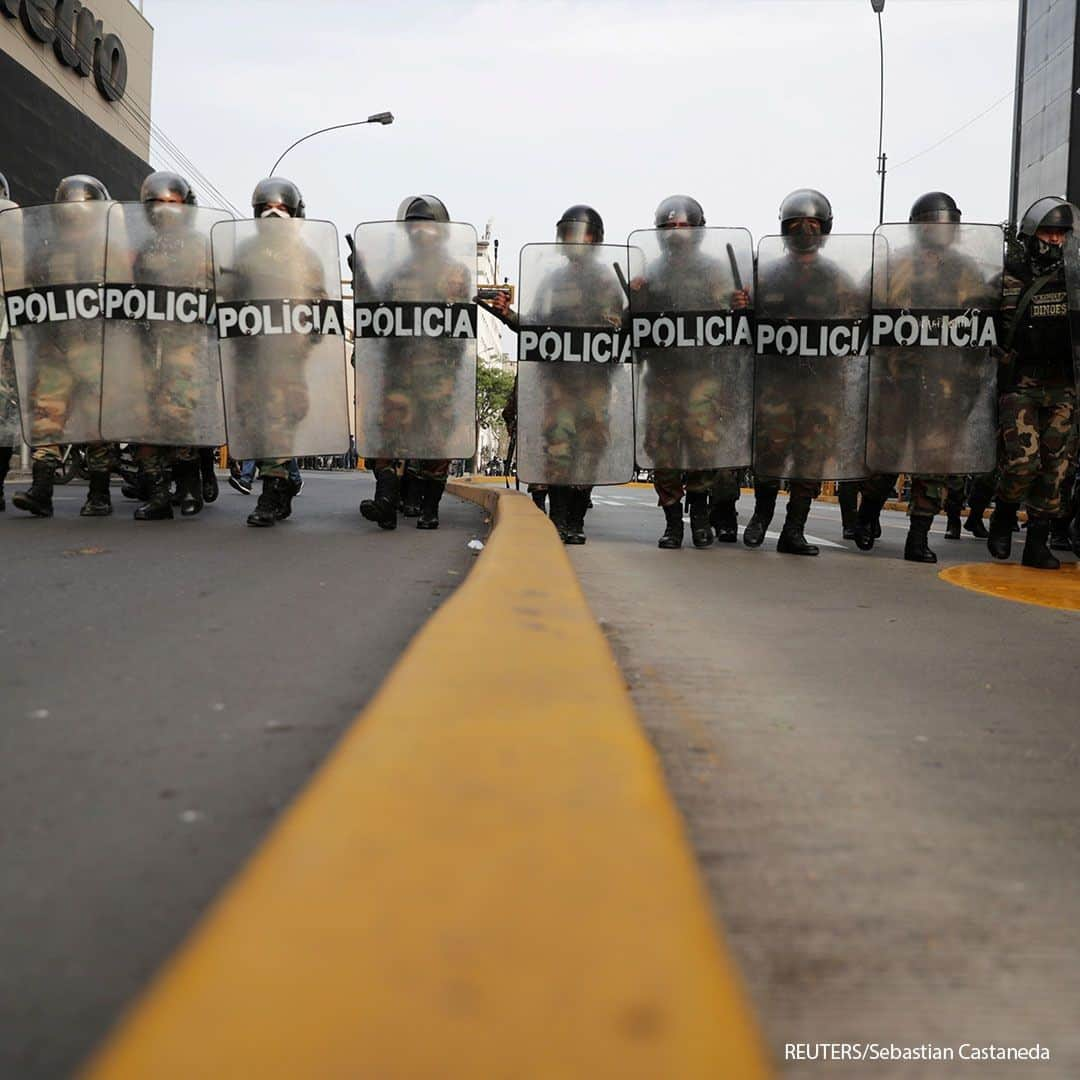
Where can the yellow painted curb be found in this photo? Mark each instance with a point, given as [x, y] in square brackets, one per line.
[1010, 581]
[486, 879]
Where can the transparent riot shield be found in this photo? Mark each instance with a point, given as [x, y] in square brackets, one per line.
[933, 381]
[812, 310]
[1072, 285]
[281, 337]
[161, 379]
[9, 398]
[53, 262]
[575, 410]
[691, 326]
[414, 284]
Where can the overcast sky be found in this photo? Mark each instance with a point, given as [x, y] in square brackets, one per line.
[511, 110]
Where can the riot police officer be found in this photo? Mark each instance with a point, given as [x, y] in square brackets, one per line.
[67, 376]
[806, 277]
[1037, 405]
[9, 402]
[922, 275]
[419, 384]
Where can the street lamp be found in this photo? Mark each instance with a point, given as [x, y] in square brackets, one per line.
[879, 7]
[375, 118]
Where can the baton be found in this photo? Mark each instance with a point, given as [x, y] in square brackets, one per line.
[734, 268]
[622, 279]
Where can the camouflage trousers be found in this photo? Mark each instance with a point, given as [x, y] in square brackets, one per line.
[672, 484]
[797, 489]
[928, 493]
[161, 456]
[99, 455]
[1038, 436]
[431, 468]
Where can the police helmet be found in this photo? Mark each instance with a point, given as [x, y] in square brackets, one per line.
[423, 208]
[165, 187]
[277, 192]
[934, 208]
[806, 203]
[81, 188]
[1049, 212]
[679, 210]
[577, 222]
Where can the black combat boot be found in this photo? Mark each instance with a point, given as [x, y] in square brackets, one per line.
[700, 530]
[539, 499]
[410, 493]
[724, 519]
[1037, 554]
[433, 489]
[208, 474]
[577, 502]
[268, 507]
[764, 508]
[559, 510]
[1059, 535]
[98, 503]
[382, 509]
[673, 534]
[867, 523]
[792, 541]
[158, 504]
[847, 495]
[1002, 523]
[916, 548]
[953, 525]
[5, 464]
[188, 487]
[974, 523]
[38, 499]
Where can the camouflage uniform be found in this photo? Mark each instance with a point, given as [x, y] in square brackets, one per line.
[1037, 408]
[819, 289]
[278, 397]
[917, 279]
[685, 397]
[422, 375]
[9, 409]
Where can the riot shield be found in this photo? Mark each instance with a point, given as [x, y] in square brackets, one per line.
[53, 262]
[692, 334]
[414, 284]
[575, 409]
[1072, 286]
[812, 311]
[9, 399]
[281, 337]
[933, 381]
[161, 380]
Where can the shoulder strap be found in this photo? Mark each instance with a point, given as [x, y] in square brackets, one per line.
[1025, 301]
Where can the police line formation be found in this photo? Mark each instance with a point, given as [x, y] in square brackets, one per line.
[922, 349]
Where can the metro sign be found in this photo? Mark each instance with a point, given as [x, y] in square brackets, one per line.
[77, 38]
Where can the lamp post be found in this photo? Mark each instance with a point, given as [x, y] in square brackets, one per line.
[879, 7]
[375, 118]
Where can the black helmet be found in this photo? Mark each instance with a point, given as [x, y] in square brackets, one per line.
[81, 188]
[679, 209]
[806, 203]
[934, 208]
[5, 188]
[159, 186]
[423, 208]
[274, 191]
[1048, 212]
[576, 222]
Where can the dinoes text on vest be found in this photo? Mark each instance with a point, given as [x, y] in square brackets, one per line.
[78, 39]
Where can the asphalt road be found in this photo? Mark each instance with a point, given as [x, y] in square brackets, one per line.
[879, 775]
[166, 688]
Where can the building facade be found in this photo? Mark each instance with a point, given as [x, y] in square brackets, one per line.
[76, 84]
[1046, 128]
